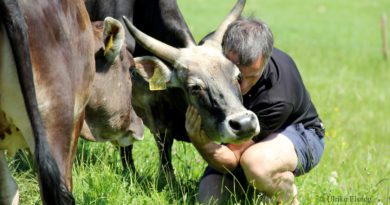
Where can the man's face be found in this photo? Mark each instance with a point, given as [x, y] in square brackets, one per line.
[249, 74]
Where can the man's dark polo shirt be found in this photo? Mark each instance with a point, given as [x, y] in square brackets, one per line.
[280, 99]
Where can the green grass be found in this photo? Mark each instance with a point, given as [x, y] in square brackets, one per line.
[337, 47]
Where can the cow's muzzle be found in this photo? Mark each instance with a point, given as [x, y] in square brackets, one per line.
[243, 125]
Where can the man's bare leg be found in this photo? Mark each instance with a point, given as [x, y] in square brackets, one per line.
[268, 165]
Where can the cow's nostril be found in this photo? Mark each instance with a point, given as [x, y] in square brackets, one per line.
[235, 125]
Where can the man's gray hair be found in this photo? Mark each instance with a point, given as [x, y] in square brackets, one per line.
[249, 39]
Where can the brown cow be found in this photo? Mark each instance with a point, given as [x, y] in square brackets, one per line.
[46, 72]
[109, 113]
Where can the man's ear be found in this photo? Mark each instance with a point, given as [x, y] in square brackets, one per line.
[154, 71]
[113, 37]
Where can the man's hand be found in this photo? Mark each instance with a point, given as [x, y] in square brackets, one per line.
[194, 131]
[199, 138]
[238, 149]
[220, 157]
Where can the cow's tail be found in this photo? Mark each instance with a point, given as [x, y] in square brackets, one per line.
[53, 188]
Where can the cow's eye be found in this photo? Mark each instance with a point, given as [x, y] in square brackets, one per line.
[195, 85]
[239, 78]
[194, 89]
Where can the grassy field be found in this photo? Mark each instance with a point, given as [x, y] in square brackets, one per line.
[337, 47]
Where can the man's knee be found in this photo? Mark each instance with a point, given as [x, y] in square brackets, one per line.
[274, 154]
[257, 166]
[263, 161]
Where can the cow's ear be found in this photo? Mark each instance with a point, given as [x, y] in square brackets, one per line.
[154, 71]
[113, 37]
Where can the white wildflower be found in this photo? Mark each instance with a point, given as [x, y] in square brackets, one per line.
[333, 178]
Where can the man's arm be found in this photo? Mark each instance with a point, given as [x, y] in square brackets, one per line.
[220, 157]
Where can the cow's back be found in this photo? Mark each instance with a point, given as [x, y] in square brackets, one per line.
[161, 19]
[100, 9]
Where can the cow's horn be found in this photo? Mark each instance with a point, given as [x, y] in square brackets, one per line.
[234, 14]
[154, 46]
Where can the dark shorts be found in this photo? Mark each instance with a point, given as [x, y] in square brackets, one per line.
[308, 145]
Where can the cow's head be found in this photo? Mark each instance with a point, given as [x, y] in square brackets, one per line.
[109, 113]
[207, 77]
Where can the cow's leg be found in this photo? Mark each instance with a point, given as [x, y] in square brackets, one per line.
[73, 146]
[9, 193]
[127, 158]
[62, 136]
[67, 153]
[166, 175]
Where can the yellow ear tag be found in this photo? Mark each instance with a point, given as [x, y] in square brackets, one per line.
[108, 45]
[157, 81]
